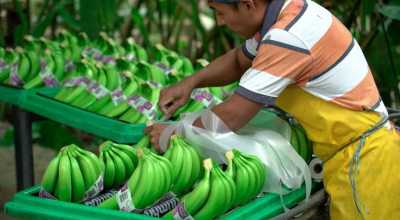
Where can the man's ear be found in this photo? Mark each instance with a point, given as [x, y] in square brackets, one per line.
[249, 5]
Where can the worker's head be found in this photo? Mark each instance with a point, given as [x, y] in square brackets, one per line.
[242, 17]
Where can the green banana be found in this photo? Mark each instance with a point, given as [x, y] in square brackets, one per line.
[194, 200]
[78, 185]
[10, 57]
[47, 67]
[130, 151]
[50, 175]
[119, 168]
[64, 179]
[217, 201]
[128, 163]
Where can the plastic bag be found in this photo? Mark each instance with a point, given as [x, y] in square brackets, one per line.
[283, 163]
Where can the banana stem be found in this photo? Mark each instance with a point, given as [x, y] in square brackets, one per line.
[207, 164]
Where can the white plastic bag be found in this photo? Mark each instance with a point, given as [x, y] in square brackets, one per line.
[283, 163]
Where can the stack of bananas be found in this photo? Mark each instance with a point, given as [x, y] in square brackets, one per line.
[150, 181]
[248, 173]
[102, 76]
[212, 197]
[73, 175]
[186, 163]
[119, 161]
[300, 141]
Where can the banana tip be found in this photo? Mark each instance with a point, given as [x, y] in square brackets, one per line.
[208, 164]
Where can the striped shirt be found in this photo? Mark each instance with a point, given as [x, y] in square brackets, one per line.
[303, 44]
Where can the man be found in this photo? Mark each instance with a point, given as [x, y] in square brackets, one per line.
[298, 56]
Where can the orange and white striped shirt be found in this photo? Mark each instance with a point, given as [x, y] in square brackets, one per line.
[303, 44]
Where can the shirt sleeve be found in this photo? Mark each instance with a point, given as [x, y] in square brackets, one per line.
[282, 59]
[250, 48]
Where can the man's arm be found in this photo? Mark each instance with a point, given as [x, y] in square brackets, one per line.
[236, 112]
[223, 71]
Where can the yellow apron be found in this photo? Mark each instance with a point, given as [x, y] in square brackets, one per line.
[331, 127]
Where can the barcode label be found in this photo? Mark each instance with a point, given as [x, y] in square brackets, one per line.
[124, 199]
[131, 58]
[95, 189]
[123, 77]
[180, 212]
[77, 81]
[144, 106]
[94, 53]
[205, 98]
[47, 76]
[109, 60]
[156, 84]
[118, 96]
[123, 196]
[169, 70]
[14, 78]
[44, 194]
[160, 65]
[3, 65]
[69, 66]
[96, 89]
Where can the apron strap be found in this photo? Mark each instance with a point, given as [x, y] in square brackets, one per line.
[356, 159]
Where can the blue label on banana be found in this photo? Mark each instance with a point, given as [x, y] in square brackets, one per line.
[162, 208]
[118, 96]
[97, 90]
[69, 66]
[77, 81]
[205, 98]
[47, 76]
[180, 212]
[3, 65]
[15, 80]
[143, 105]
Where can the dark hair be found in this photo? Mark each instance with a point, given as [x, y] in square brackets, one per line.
[234, 4]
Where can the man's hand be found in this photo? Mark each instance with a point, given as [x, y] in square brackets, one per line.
[174, 97]
[155, 132]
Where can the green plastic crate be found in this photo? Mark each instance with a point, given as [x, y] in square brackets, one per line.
[27, 205]
[43, 104]
[16, 95]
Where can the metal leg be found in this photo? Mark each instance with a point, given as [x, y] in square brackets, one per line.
[23, 147]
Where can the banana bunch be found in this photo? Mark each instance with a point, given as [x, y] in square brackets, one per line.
[300, 141]
[186, 163]
[248, 173]
[52, 67]
[134, 52]
[85, 72]
[211, 198]
[149, 72]
[193, 105]
[73, 175]
[144, 105]
[6, 61]
[118, 106]
[119, 162]
[151, 180]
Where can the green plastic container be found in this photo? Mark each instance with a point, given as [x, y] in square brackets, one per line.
[43, 104]
[16, 95]
[27, 205]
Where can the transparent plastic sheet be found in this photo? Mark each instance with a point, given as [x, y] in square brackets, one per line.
[282, 162]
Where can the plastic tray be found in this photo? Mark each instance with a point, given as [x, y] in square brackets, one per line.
[27, 205]
[43, 104]
[16, 95]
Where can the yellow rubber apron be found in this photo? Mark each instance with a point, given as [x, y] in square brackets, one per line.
[331, 127]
